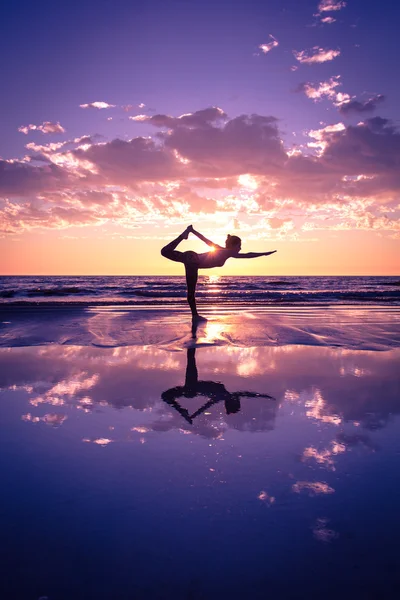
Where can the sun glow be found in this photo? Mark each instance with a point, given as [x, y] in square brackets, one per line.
[213, 278]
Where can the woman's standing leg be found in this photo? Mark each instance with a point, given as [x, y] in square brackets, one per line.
[191, 281]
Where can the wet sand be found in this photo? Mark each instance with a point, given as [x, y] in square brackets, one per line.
[346, 326]
[258, 458]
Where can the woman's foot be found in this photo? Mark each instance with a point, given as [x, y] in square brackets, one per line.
[185, 234]
[198, 318]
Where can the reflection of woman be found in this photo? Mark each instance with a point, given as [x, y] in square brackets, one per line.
[210, 389]
[216, 257]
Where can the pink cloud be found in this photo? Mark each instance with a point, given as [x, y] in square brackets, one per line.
[245, 144]
[324, 89]
[45, 127]
[19, 178]
[265, 48]
[207, 164]
[98, 105]
[139, 118]
[330, 5]
[341, 100]
[315, 55]
[129, 107]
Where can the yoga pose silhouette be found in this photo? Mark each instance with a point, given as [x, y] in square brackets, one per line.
[214, 390]
[217, 257]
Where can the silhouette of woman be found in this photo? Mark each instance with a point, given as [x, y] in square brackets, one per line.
[216, 257]
[214, 390]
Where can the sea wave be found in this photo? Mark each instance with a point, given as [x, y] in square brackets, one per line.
[88, 291]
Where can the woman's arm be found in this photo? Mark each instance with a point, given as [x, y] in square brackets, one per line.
[204, 239]
[253, 254]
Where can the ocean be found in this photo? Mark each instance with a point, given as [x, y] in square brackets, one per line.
[211, 289]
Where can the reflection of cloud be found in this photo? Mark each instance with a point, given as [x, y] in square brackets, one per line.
[68, 388]
[317, 409]
[85, 378]
[328, 20]
[324, 457]
[312, 488]
[322, 533]
[352, 440]
[98, 441]
[351, 369]
[52, 419]
[265, 497]
[292, 396]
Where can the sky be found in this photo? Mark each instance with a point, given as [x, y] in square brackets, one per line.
[122, 123]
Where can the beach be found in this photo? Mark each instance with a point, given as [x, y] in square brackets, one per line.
[254, 455]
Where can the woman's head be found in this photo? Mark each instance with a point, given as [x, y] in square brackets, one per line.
[233, 242]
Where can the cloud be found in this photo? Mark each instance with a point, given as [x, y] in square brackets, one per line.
[201, 119]
[265, 48]
[341, 100]
[330, 5]
[355, 106]
[19, 178]
[324, 89]
[205, 165]
[315, 55]
[45, 148]
[139, 118]
[45, 127]
[98, 105]
[129, 107]
[372, 147]
[322, 136]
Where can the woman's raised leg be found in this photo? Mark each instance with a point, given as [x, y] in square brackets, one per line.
[169, 250]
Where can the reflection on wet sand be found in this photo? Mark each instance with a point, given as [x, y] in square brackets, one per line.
[330, 386]
[215, 391]
[245, 475]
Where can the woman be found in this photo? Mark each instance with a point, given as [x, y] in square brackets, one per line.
[217, 257]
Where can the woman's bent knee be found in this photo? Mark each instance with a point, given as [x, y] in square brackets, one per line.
[174, 255]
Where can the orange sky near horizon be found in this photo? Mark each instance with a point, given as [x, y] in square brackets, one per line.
[351, 253]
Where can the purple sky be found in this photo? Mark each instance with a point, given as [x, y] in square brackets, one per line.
[328, 161]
